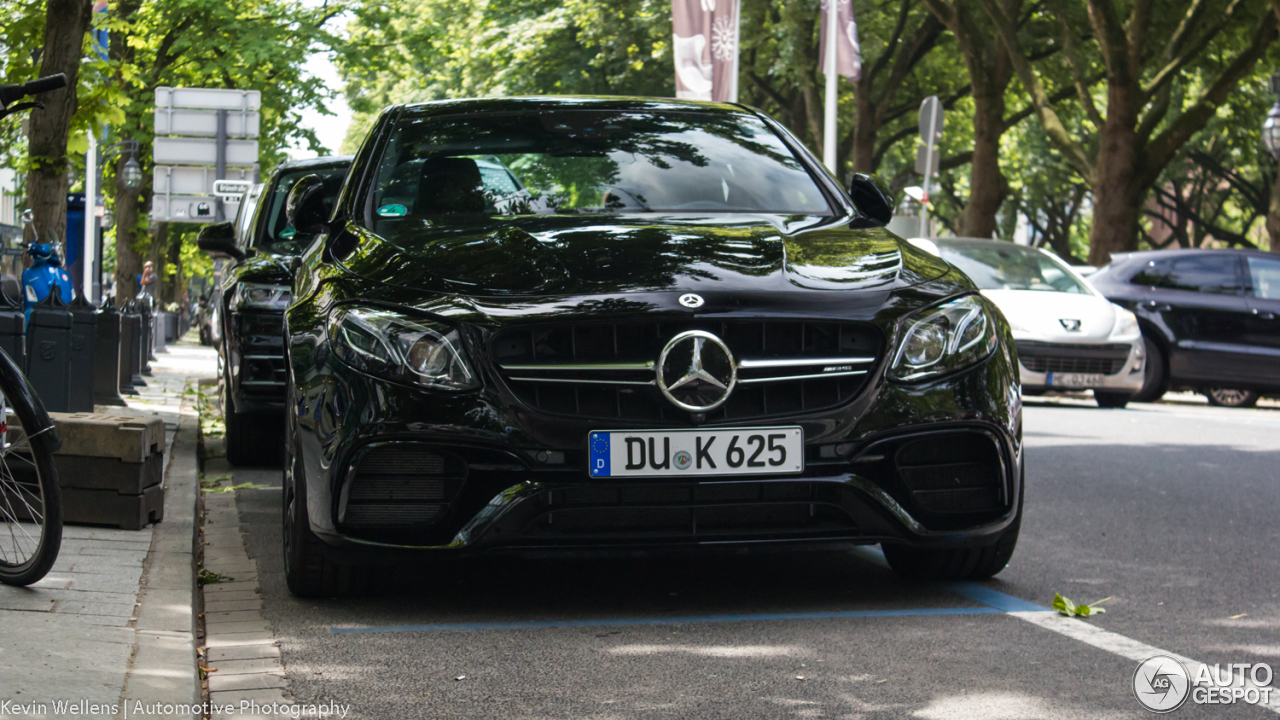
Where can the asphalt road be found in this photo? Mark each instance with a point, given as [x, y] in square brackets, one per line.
[1170, 510]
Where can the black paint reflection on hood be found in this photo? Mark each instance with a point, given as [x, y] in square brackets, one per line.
[554, 255]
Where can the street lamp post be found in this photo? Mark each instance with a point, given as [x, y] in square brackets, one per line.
[131, 178]
[1271, 138]
[1271, 127]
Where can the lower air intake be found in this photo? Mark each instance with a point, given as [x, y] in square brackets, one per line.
[400, 486]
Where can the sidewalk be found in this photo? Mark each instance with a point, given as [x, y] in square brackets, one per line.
[112, 624]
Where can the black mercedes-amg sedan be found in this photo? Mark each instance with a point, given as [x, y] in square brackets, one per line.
[589, 325]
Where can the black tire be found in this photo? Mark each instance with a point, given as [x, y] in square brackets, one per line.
[1227, 397]
[308, 570]
[1154, 377]
[1111, 399]
[246, 443]
[29, 494]
[976, 563]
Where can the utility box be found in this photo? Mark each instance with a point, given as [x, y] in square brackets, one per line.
[110, 469]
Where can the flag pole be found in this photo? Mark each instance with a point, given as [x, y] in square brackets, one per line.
[829, 62]
[737, 48]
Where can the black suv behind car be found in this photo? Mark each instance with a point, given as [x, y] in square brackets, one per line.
[1211, 319]
[260, 245]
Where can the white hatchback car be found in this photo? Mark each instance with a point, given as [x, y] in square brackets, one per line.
[1069, 336]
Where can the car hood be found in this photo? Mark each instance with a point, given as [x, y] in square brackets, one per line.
[266, 268]
[567, 255]
[1040, 315]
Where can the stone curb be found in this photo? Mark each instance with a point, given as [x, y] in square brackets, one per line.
[163, 668]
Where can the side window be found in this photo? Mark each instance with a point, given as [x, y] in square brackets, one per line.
[1265, 274]
[1213, 273]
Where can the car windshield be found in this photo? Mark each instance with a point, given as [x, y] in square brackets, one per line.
[586, 162]
[277, 235]
[1004, 266]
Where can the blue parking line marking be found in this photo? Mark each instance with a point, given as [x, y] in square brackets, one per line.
[619, 622]
[993, 598]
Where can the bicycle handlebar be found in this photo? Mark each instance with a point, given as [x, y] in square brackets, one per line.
[9, 93]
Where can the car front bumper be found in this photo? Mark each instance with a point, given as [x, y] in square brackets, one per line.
[1054, 360]
[510, 481]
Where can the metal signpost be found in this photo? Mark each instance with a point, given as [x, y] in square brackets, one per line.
[203, 136]
[932, 119]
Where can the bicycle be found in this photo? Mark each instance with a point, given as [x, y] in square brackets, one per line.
[30, 501]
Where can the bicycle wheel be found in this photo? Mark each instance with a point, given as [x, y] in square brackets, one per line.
[30, 502]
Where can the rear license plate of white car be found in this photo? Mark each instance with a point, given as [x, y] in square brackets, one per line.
[685, 453]
[1075, 380]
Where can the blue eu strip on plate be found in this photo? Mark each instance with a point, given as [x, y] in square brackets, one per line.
[599, 454]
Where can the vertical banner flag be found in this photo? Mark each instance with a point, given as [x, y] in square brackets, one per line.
[706, 49]
[849, 53]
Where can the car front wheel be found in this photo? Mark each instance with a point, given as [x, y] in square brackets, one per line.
[1225, 397]
[1110, 399]
[1153, 375]
[308, 571]
[977, 563]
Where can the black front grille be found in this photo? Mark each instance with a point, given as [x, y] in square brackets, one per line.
[628, 392]
[400, 486]
[1074, 358]
[690, 511]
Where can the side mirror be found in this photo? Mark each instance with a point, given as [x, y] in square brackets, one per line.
[219, 241]
[871, 197]
[305, 206]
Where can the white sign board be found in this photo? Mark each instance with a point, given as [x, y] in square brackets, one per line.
[190, 180]
[208, 98]
[202, 151]
[188, 208]
[204, 123]
[231, 189]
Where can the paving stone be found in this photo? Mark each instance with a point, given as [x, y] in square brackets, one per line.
[231, 616]
[95, 608]
[254, 665]
[233, 606]
[233, 596]
[259, 637]
[219, 629]
[226, 587]
[242, 652]
[246, 681]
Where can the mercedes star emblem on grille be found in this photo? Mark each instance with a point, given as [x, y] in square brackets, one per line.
[696, 371]
[1071, 325]
[690, 300]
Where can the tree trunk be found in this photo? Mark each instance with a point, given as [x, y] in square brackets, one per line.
[1273, 216]
[866, 124]
[987, 185]
[128, 259]
[1117, 195]
[66, 22]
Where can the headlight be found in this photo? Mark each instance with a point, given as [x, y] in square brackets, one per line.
[252, 296]
[943, 339]
[401, 348]
[1126, 324]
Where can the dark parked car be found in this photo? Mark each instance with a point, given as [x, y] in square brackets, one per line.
[676, 331]
[1211, 319]
[259, 246]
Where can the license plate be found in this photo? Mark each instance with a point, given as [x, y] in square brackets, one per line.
[1075, 380]
[676, 453]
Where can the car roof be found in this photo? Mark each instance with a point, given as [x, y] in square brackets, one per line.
[317, 162]
[961, 242]
[1146, 255]
[567, 102]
